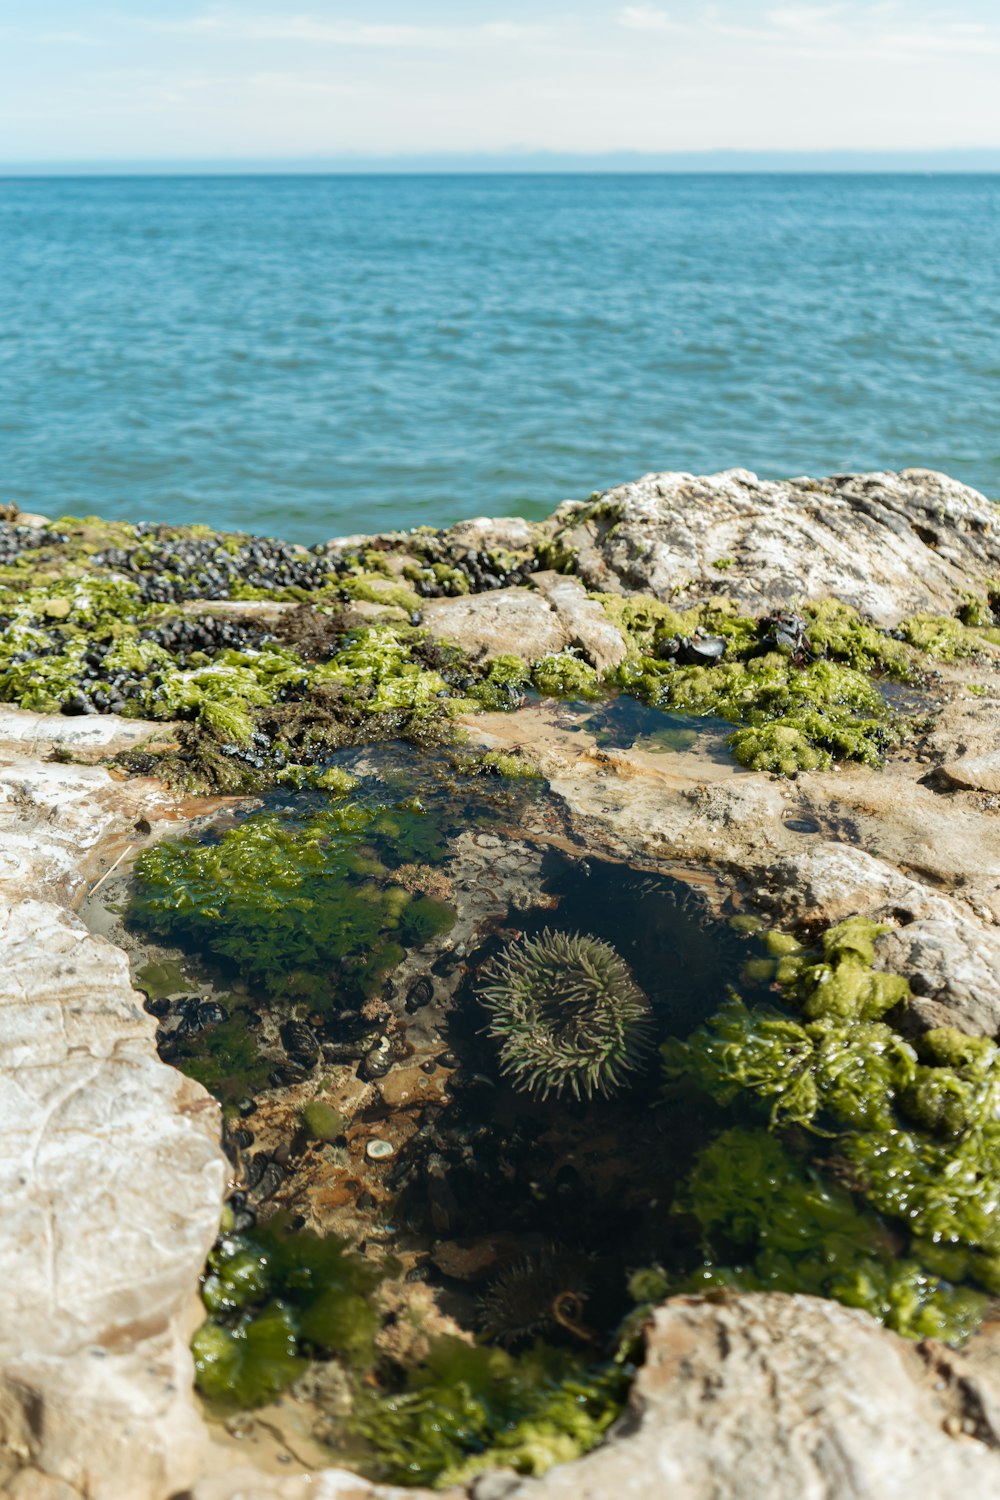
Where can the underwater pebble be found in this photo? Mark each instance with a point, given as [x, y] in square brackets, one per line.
[379, 1150]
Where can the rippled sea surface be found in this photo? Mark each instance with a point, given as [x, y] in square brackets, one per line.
[312, 356]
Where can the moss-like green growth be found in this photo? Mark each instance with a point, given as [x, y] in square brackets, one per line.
[295, 904]
[503, 684]
[795, 718]
[322, 1121]
[468, 1409]
[564, 675]
[512, 766]
[913, 1129]
[94, 643]
[795, 715]
[803, 1234]
[836, 631]
[272, 1297]
[941, 638]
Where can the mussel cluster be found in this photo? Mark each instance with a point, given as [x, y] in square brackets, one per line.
[16, 539]
[202, 568]
[785, 632]
[184, 635]
[483, 570]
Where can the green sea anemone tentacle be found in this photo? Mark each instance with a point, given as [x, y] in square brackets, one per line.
[567, 1014]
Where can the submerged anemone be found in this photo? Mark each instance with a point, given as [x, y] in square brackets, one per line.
[536, 1295]
[567, 1013]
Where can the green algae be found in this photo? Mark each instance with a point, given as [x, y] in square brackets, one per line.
[502, 684]
[563, 674]
[801, 1233]
[467, 1409]
[225, 1059]
[274, 1299]
[387, 679]
[286, 903]
[322, 1121]
[508, 764]
[945, 639]
[897, 1212]
[801, 1071]
[793, 717]
[837, 631]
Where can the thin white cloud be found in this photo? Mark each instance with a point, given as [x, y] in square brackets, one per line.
[350, 33]
[646, 18]
[838, 32]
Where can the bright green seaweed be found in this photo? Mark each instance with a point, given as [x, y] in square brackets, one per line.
[468, 1409]
[913, 1153]
[274, 1299]
[302, 907]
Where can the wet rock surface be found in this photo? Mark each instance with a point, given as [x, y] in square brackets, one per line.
[114, 1163]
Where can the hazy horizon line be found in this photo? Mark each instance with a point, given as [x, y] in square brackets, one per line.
[736, 161]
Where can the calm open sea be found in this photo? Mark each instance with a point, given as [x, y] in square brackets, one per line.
[314, 355]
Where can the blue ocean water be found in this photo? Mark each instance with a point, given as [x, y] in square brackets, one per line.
[314, 355]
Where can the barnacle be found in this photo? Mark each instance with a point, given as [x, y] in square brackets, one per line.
[567, 1014]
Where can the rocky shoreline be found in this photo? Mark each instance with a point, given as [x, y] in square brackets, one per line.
[114, 1173]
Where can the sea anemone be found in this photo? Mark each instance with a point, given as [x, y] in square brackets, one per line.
[535, 1295]
[567, 1013]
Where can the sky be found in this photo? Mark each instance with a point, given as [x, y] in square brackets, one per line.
[158, 80]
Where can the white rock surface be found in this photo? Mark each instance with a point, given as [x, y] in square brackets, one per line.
[756, 1398]
[889, 544]
[110, 1172]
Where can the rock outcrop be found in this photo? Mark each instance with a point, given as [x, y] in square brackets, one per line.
[110, 1165]
[888, 544]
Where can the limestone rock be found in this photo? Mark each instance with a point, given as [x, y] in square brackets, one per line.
[587, 627]
[529, 622]
[782, 1398]
[754, 1397]
[23, 732]
[514, 622]
[977, 773]
[55, 821]
[889, 544]
[110, 1174]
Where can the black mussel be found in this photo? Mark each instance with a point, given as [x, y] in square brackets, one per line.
[270, 1181]
[300, 1042]
[420, 993]
[701, 650]
[667, 647]
[287, 1074]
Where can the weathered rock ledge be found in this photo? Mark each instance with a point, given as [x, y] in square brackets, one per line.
[111, 1170]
